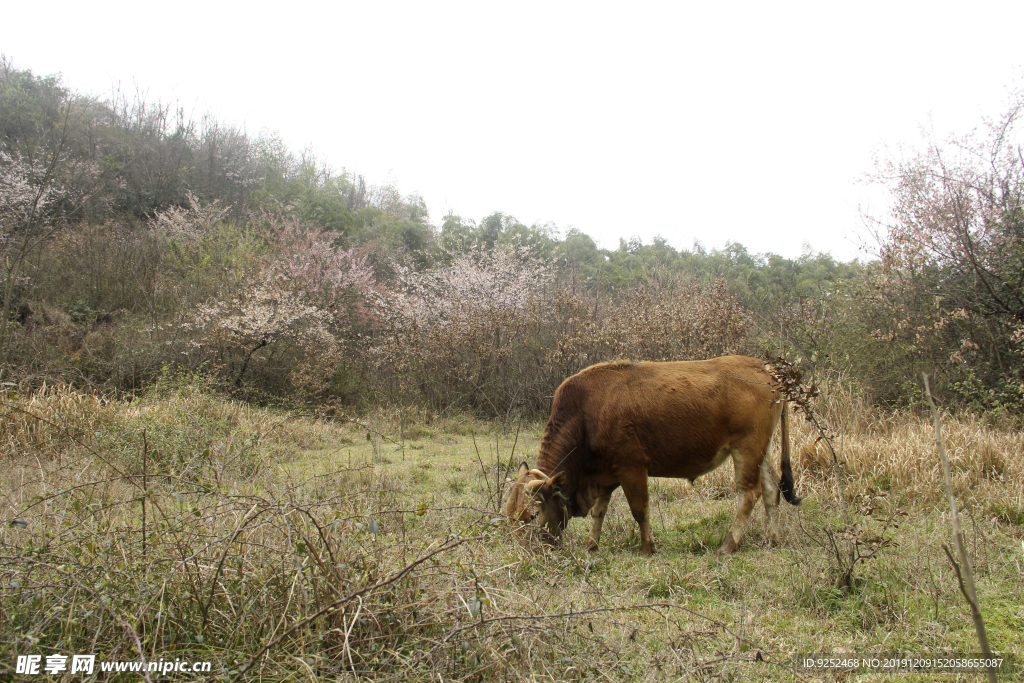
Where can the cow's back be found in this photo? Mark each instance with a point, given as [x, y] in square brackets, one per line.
[672, 419]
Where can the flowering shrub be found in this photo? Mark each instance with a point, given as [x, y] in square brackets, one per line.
[949, 289]
[285, 325]
[453, 334]
[187, 225]
[29, 201]
[267, 315]
[24, 192]
[333, 278]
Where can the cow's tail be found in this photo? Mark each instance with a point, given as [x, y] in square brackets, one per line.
[786, 485]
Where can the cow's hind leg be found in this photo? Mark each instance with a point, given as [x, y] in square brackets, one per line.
[748, 484]
[597, 515]
[770, 497]
[746, 502]
[634, 485]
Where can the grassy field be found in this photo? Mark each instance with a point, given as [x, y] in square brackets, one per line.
[282, 547]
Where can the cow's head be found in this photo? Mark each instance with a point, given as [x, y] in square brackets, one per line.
[536, 500]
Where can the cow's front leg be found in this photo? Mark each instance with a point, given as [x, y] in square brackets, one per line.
[634, 485]
[597, 515]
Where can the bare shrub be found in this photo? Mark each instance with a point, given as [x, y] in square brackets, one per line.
[494, 332]
[668, 318]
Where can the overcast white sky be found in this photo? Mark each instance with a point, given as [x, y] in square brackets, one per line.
[749, 122]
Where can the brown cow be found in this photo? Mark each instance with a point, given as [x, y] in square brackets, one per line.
[616, 424]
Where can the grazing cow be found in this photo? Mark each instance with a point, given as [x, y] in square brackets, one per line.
[616, 424]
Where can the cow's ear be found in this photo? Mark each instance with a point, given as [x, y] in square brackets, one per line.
[523, 469]
[556, 482]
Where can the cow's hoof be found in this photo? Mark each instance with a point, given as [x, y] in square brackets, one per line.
[591, 546]
[648, 550]
[730, 546]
